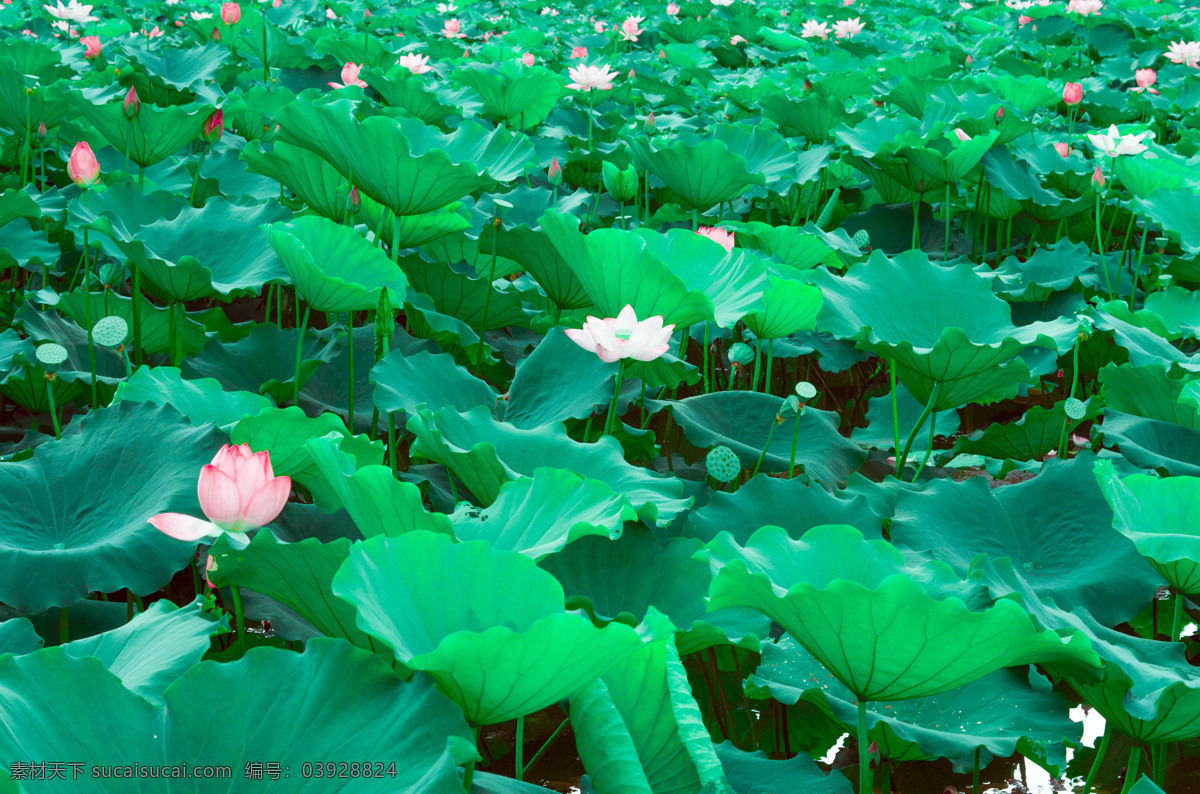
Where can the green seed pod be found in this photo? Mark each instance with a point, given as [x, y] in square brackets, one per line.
[621, 185]
[722, 464]
[790, 407]
[110, 331]
[861, 239]
[741, 354]
[1074, 409]
[51, 356]
[805, 390]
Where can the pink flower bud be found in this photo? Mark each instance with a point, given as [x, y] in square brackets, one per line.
[528, 59]
[999, 115]
[651, 124]
[83, 167]
[132, 103]
[231, 13]
[91, 46]
[1063, 149]
[555, 172]
[214, 125]
[1098, 177]
[1073, 93]
[962, 136]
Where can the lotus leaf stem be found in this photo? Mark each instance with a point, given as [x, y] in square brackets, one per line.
[196, 177]
[64, 624]
[928, 449]
[704, 358]
[885, 772]
[716, 671]
[795, 438]
[770, 435]
[87, 316]
[53, 408]
[1100, 246]
[468, 774]
[757, 363]
[299, 352]
[770, 357]
[350, 385]
[612, 407]
[1137, 276]
[268, 294]
[136, 285]
[391, 442]
[946, 242]
[1131, 768]
[902, 461]
[1062, 441]
[916, 237]
[1158, 763]
[891, 363]
[239, 617]
[546, 745]
[519, 748]
[864, 765]
[266, 62]
[1177, 618]
[975, 783]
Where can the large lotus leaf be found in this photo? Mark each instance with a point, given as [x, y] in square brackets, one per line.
[151, 136]
[305, 173]
[1066, 550]
[888, 629]
[559, 380]
[487, 625]
[793, 504]
[646, 701]
[1142, 176]
[755, 773]
[880, 432]
[24, 105]
[184, 258]
[17, 635]
[540, 515]
[1158, 515]
[377, 502]
[155, 321]
[1179, 309]
[333, 267]
[15, 204]
[408, 382]
[484, 453]
[510, 92]
[363, 704]
[1032, 437]
[1057, 267]
[625, 579]
[181, 67]
[75, 514]
[802, 247]
[408, 231]
[706, 171]
[153, 650]
[1153, 444]
[1144, 335]
[406, 166]
[943, 161]
[536, 252]
[682, 276]
[201, 401]
[480, 303]
[813, 116]
[411, 93]
[297, 575]
[1147, 391]
[263, 362]
[743, 420]
[1175, 211]
[941, 325]
[788, 306]
[1000, 712]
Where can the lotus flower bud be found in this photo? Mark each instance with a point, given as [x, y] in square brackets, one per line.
[216, 35]
[1098, 177]
[214, 125]
[231, 13]
[42, 130]
[555, 172]
[999, 115]
[91, 46]
[132, 103]
[651, 124]
[355, 200]
[1073, 93]
[790, 408]
[83, 167]
[741, 354]
[621, 184]
[722, 464]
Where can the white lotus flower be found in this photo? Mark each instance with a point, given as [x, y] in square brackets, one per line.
[72, 12]
[1113, 144]
[585, 78]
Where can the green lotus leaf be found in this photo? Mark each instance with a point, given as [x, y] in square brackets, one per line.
[1144, 335]
[1175, 211]
[409, 231]
[250, 112]
[153, 650]
[1016, 179]
[297, 575]
[755, 773]
[17, 635]
[182, 68]
[1142, 177]
[377, 502]
[23, 104]
[560, 380]
[888, 629]
[1149, 392]
[788, 306]
[944, 162]
[1179, 309]
[403, 164]
[26, 381]
[512, 91]
[539, 515]
[75, 514]
[1028, 93]
[1152, 443]
[1032, 437]
[680, 275]
[484, 453]
[305, 173]
[747, 421]
[1064, 550]
[151, 136]
[333, 267]
[880, 432]
[1156, 514]
[15, 204]
[401, 89]
[1057, 267]
[813, 116]
[960, 337]
[364, 704]
[627, 578]
[703, 171]
[263, 362]
[408, 382]
[802, 248]
[436, 603]
[537, 254]
[476, 302]
[645, 701]
[1000, 713]
[155, 322]
[201, 401]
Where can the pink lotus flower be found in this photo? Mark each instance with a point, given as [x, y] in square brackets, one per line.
[621, 337]
[736, 40]
[132, 104]
[962, 136]
[599, 26]
[214, 125]
[231, 13]
[1184, 52]
[630, 30]
[1063, 149]
[83, 167]
[1073, 93]
[452, 29]
[672, 10]
[1085, 7]
[91, 46]
[579, 52]
[416, 64]
[585, 78]
[848, 28]
[1145, 78]
[276, 3]
[814, 29]
[722, 237]
[350, 76]
[528, 59]
[554, 172]
[1098, 177]
[238, 492]
[1023, 20]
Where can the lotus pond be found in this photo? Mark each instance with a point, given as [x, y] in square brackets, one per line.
[498, 396]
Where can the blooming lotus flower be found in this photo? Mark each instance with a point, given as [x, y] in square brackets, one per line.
[579, 52]
[814, 29]
[72, 12]
[1114, 144]
[1064, 150]
[722, 237]
[848, 28]
[585, 78]
[200, 16]
[350, 76]
[630, 30]
[1023, 20]
[599, 26]
[83, 167]
[452, 29]
[231, 13]
[446, 8]
[416, 64]
[1184, 52]
[736, 40]
[672, 10]
[547, 11]
[623, 336]
[1145, 78]
[528, 59]
[238, 492]
[330, 14]
[1073, 93]
[962, 136]
[153, 33]
[91, 46]
[1085, 7]
[722, 3]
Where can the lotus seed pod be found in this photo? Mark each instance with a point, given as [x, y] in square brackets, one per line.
[51, 356]
[621, 185]
[110, 331]
[805, 390]
[741, 354]
[1085, 326]
[790, 407]
[722, 464]
[861, 239]
[1075, 409]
